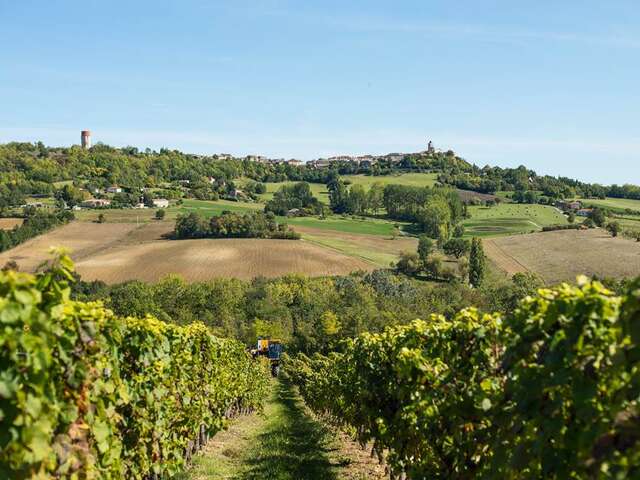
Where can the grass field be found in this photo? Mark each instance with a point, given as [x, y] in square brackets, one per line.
[319, 191]
[116, 252]
[618, 204]
[562, 255]
[412, 179]
[134, 215]
[337, 223]
[378, 249]
[510, 218]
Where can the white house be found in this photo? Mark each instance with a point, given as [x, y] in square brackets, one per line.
[160, 202]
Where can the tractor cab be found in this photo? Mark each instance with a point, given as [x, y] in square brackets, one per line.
[272, 349]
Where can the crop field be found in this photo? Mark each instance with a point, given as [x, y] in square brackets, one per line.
[562, 255]
[412, 179]
[618, 204]
[9, 223]
[510, 218]
[116, 252]
[381, 250]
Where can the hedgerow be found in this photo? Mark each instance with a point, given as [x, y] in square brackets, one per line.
[549, 391]
[87, 394]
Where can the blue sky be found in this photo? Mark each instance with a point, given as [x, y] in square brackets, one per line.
[548, 84]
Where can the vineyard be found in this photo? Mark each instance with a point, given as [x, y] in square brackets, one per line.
[549, 391]
[86, 394]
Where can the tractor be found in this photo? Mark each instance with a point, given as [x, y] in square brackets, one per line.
[272, 349]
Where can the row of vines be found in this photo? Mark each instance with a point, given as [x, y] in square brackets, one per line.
[549, 391]
[85, 394]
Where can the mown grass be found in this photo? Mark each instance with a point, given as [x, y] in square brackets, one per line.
[381, 259]
[337, 223]
[412, 179]
[284, 444]
[510, 218]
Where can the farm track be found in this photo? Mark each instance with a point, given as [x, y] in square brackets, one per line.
[285, 443]
[502, 259]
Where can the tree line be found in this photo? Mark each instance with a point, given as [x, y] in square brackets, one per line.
[35, 223]
[308, 314]
[232, 225]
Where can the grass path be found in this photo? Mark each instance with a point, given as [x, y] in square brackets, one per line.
[284, 443]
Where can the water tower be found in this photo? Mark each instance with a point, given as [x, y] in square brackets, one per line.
[85, 138]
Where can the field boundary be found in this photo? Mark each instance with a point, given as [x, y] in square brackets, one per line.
[502, 259]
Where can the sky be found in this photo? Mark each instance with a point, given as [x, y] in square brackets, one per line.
[551, 85]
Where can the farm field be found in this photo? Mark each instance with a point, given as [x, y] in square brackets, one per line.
[77, 237]
[116, 252]
[562, 255]
[9, 223]
[381, 250]
[619, 204]
[337, 223]
[134, 215]
[411, 179]
[319, 191]
[510, 218]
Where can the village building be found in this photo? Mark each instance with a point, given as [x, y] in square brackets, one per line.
[114, 189]
[160, 203]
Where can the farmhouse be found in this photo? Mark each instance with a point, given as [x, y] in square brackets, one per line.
[160, 202]
[114, 189]
[568, 206]
[584, 212]
[96, 203]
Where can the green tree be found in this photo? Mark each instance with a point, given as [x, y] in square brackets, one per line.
[425, 248]
[101, 218]
[409, 263]
[160, 214]
[338, 196]
[477, 263]
[457, 247]
[598, 217]
[191, 225]
[357, 203]
[613, 228]
[375, 197]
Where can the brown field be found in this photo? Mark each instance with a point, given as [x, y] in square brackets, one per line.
[562, 255]
[9, 223]
[114, 253]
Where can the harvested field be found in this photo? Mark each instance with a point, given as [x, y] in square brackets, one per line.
[114, 252]
[562, 255]
[9, 223]
[198, 260]
[82, 239]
